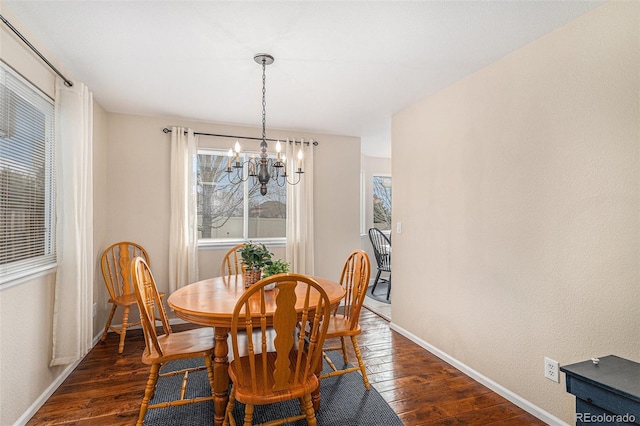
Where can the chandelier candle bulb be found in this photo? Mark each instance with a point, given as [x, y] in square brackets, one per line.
[265, 168]
[237, 147]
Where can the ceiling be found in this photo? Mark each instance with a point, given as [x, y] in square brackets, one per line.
[340, 67]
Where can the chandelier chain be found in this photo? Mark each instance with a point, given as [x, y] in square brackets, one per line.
[264, 103]
[264, 169]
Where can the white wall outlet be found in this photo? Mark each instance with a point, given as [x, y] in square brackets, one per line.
[95, 310]
[399, 227]
[551, 370]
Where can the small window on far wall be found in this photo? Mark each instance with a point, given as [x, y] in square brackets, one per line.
[236, 211]
[27, 178]
[382, 202]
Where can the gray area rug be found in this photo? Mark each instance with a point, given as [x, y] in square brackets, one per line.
[345, 402]
[380, 293]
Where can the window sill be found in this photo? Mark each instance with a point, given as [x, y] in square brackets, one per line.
[20, 278]
[227, 244]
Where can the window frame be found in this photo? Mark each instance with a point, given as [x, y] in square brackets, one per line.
[27, 269]
[372, 200]
[227, 243]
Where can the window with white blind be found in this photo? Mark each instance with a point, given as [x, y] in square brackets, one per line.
[27, 178]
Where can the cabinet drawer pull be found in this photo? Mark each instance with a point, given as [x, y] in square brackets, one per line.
[589, 400]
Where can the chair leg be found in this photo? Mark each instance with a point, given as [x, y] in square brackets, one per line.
[248, 414]
[375, 282]
[344, 350]
[209, 364]
[228, 415]
[148, 392]
[307, 408]
[123, 330]
[363, 370]
[106, 327]
[389, 286]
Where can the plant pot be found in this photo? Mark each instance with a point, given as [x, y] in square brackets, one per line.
[251, 276]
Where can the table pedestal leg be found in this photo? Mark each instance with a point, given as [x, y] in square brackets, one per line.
[220, 374]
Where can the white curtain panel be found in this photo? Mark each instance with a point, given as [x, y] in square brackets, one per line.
[72, 316]
[183, 233]
[300, 238]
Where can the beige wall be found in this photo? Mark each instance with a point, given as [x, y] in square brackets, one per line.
[26, 309]
[100, 214]
[523, 210]
[138, 190]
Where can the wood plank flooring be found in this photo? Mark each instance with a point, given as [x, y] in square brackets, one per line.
[107, 388]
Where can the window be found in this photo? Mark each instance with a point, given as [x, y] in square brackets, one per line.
[27, 178]
[236, 211]
[382, 202]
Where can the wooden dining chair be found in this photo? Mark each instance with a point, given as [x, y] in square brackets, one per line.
[345, 319]
[116, 271]
[232, 262]
[170, 346]
[282, 368]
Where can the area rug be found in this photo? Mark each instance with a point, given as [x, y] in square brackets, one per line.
[345, 402]
[380, 293]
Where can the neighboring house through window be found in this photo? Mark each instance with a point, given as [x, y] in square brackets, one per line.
[27, 178]
[230, 211]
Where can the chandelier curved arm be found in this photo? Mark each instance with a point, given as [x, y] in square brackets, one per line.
[264, 169]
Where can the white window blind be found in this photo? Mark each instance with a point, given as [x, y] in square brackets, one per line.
[27, 178]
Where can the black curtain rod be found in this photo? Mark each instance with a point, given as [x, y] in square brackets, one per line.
[67, 82]
[167, 130]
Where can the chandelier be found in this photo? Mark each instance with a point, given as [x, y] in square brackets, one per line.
[264, 169]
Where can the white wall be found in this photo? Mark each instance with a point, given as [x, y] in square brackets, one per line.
[521, 236]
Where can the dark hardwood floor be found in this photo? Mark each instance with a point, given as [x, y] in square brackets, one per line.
[107, 388]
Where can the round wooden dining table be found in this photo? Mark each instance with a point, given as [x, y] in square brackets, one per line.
[211, 302]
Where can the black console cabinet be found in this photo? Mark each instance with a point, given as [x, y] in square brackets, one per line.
[607, 393]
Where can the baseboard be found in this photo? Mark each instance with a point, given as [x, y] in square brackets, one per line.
[44, 396]
[497, 388]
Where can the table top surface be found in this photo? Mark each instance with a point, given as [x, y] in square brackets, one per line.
[210, 302]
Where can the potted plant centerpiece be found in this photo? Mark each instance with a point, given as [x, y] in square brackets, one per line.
[277, 267]
[254, 258]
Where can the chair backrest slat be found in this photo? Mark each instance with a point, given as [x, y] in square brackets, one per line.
[116, 266]
[297, 298]
[355, 280]
[149, 304]
[231, 263]
[381, 248]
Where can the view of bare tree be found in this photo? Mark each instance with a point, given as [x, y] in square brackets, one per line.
[219, 200]
[382, 202]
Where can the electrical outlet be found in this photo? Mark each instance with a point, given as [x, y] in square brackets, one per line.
[95, 310]
[551, 370]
